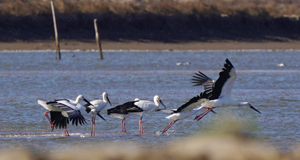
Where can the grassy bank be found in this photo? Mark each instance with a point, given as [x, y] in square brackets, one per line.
[166, 21]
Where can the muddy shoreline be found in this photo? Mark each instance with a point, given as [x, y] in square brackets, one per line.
[150, 45]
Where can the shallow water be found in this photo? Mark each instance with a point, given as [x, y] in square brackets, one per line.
[28, 76]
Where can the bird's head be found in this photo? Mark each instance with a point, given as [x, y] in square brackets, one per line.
[105, 97]
[80, 97]
[253, 108]
[247, 104]
[158, 101]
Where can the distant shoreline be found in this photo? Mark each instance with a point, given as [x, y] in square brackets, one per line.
[195, 25]
[136, 45]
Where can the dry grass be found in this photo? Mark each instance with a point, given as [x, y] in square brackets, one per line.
[274, 8]
[155, 20]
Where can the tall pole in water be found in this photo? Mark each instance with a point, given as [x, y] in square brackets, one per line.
[57, 55]
[98, 39]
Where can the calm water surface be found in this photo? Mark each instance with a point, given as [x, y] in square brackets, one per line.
[28, 76]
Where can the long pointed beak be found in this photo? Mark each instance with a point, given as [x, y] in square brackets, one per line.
[213, 112]
[87, 102]
[254, 109]
[109, 101]
[98, 114]
[162, 104]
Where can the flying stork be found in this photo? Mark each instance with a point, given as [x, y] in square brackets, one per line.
[219, 92]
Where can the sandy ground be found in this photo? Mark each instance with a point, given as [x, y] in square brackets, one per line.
[134, 45]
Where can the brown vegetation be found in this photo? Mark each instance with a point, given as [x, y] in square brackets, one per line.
[159, 20]
[273, 8]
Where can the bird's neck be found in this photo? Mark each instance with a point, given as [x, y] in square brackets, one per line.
[77, 100]
[104, 99]
[156, 103]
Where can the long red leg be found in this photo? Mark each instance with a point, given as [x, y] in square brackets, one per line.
[51, 124]
[66, 132]
[94, 128]
[124, 125]
[169, 125]
[203, 114]
[91, 127]
[140, 127]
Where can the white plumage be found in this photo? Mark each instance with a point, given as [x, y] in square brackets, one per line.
[146, 107]
[219, 92]
[97, 106]
[62, 111]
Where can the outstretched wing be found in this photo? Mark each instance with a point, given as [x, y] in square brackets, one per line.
[192, 103]
[64, 105]
[76, 117]
[58, 120]
[72, 111]
[200, 79]
[225, 81]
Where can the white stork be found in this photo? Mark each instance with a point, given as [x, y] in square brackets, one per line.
[62, 111]
[122, 112]
[219, 92]
[97, 106]
[138, 107]
[145, 106]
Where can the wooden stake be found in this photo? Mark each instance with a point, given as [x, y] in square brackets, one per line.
[97, 38]
[55, 32]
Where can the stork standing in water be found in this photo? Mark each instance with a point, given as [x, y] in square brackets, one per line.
[219, 92]
[185, 111]
[138, 107]
[146, 107]
[62, 111]
[122, 112]
[97, 106]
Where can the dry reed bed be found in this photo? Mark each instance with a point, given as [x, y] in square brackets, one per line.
[273, 8]
[154, 20]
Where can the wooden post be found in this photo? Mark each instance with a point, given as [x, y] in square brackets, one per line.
[55, 32]
[97, 38]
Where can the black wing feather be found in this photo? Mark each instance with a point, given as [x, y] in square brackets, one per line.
[58, 120]
[193, 100]
[213, 89]
[200, 79]
[223, 76]
[77, 116]
[125, 108]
